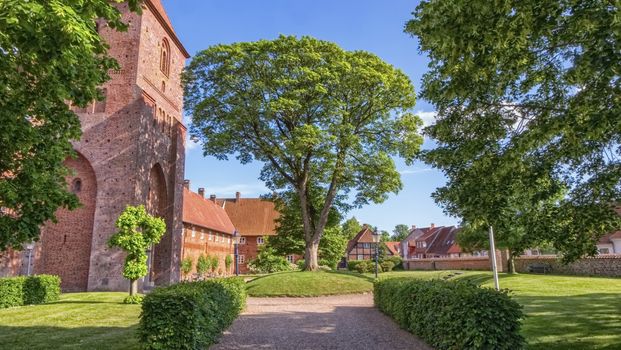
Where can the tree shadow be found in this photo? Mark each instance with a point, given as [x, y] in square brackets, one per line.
[92, 338]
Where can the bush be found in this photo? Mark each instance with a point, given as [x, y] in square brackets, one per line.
[351, 265]
[452, 315]
[203, 264]
[133, 299]
[268, 261]
[300, 263]
[387, 266]
[190, 315]
[41, 289]
[364, 267]
[186, 266]
[11, 292]
[396, 260]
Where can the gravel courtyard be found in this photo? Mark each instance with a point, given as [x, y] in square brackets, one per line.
[331, 322]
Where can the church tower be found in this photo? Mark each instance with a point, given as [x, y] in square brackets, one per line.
[131, 152]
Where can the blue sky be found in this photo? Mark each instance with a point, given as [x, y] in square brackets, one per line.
[372, 25]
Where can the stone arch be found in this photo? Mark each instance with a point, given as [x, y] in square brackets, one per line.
[157, 205]
[66, 245]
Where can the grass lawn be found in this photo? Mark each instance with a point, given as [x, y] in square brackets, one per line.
[78, 321]
[306, 284]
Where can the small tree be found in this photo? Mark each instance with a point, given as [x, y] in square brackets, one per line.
[137, 232]
[228, 260]
[214, 263]
[202, 265]
[186, 266]
[400, 232]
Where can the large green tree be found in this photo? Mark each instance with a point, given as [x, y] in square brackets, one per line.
[50, 56]
[400, 232]
[314, 114]
[528, 99]
[351, 227]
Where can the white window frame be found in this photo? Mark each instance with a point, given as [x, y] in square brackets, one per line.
[290, 258]
[193, 232]
[241, 259]
[242, 240]
[260, 240]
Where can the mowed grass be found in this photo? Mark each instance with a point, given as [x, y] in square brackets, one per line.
[308, 284]
[77, 321]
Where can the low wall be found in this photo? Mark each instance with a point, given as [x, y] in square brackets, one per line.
[602, 265]
[470, 263]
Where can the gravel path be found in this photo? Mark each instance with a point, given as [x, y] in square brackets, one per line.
[332, 322]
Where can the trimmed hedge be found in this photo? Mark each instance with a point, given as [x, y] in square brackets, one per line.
[190, 315]
[18, 291]
[452, 315]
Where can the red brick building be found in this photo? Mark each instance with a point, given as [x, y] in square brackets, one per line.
[254, 219]
[207, 230]
[361, 247]
[131, 152]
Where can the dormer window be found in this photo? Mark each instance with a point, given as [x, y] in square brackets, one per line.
[165, 57]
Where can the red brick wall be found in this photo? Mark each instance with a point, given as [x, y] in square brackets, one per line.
[193, 247]
[66, 247]
[249, 250]
[472, 263]
[603, 265]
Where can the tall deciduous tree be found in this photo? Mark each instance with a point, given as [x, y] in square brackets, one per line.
[351, 227]
[137, 231]
[400, 232]
[528, 99]
[314, 114]
[50, 54]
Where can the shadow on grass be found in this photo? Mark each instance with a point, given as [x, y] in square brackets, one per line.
[42, 337]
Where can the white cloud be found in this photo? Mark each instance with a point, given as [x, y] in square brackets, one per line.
[246, 190]
[429, 118]
[414, 171]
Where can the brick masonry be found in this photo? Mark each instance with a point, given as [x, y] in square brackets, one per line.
[132, 152]
[602, 265]
[209, 243]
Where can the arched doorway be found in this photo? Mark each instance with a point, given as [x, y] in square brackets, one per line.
[66, 245]
[157, 205]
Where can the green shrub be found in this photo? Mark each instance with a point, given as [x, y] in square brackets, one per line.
[203, 264]
[186, 266]
[190, 315]
[300, 263]
[396, 260]
[41, 289]
[351, 265]
[133, 299]
[11, 291]
[228, 260]
[268, 261]
[363, 267]
[452, 315]
[387, 266]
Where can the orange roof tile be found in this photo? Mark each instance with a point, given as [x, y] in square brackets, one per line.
[393, 247]
[364, 236]
[205, 213]
[251, 216]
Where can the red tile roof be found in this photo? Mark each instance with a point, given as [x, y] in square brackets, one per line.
[205, 213]
[364, 236]
[251, 216]
[393, 247]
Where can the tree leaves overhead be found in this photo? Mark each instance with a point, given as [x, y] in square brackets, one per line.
[529, 112]
[314, 114]
[50, 54]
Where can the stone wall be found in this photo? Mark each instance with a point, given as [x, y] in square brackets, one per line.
[470, 263]
[603, 265]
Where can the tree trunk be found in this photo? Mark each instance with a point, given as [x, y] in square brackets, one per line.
[511, 263]
[133, 287]
[310, 256]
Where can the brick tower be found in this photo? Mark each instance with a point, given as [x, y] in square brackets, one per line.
[131, 152]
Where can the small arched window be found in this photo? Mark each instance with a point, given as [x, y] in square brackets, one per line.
[165, 57]
[76, 185]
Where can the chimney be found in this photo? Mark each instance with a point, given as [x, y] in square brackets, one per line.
[237, 195]
[201, 192]
[413, 228]
[186, 184]
[212, 198]
[433, 225]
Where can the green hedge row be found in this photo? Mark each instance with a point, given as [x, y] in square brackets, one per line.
[452, 315]
[18, 291]
[190, 315]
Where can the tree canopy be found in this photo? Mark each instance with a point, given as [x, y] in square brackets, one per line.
[50, 54]
[400, 232]
[316, 115]
[528, 100]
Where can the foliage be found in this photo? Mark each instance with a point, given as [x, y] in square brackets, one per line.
[397, 261]
[387, 266]
[318, 117]
[400, 232]
[268, 261]
[186, 265]
[137, 231]
[351, 227]
[308, 284]
[41, 289]
[228, 261]
[300, 264]
[452, 315]
[215, 261]
[11, 291]
[528, 115]
[203, 264]
[133, 299]
[38, 289]
[50, 53]
[190, 315]
[363, 267]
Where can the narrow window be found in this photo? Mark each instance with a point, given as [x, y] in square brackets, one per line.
[165, 57]
[76, 186]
